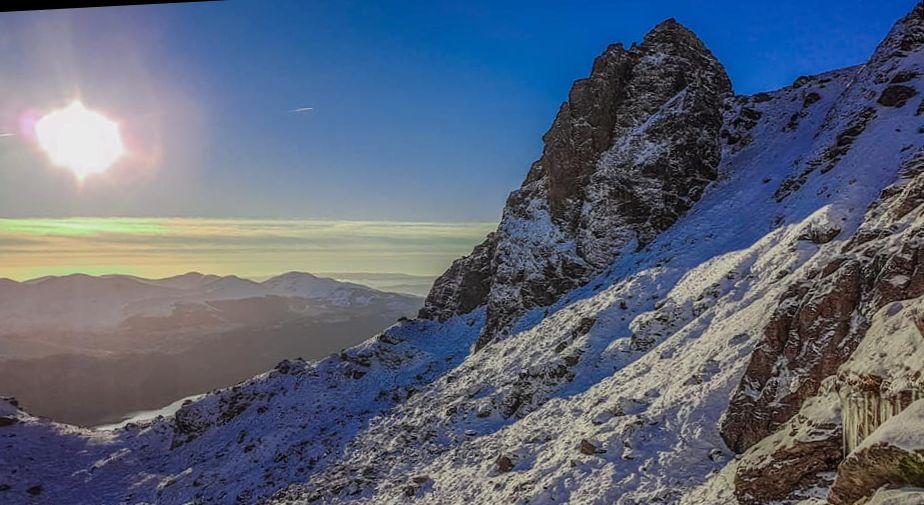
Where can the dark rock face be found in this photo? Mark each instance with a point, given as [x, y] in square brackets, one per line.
[896, 95]
[630, 151]
[821, 319]
[464, 286]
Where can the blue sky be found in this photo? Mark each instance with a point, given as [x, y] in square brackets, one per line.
[423, 111]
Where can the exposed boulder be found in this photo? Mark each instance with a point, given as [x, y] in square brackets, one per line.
[897, 496]
[504, 463]
[896, 95]
[820, 234]
[587, 447]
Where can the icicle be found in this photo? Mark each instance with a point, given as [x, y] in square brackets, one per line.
[863, 411]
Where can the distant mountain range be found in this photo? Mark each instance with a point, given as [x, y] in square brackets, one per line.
[120, 343]
[388, 281]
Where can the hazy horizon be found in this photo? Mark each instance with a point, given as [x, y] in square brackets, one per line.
[250, 248]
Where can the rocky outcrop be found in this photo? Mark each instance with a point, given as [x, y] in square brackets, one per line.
[885, 374]
[796, 457]
[630, 151]
[464, 286]
[811, 333]
[820, 320]
[893, 456]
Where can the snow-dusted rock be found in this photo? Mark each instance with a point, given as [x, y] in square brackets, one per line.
[796, 461]
[899, 496]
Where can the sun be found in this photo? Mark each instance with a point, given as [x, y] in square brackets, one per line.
[79, 139]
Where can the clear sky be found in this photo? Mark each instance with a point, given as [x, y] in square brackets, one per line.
[422, 111]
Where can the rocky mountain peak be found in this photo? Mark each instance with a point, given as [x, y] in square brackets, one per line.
[670, 30]
[629, 152]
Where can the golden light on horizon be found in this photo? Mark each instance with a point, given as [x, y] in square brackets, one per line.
[79, 139]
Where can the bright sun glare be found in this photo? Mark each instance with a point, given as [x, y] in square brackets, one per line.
[82, 140]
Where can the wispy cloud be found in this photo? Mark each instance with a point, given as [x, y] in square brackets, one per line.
[155, 247]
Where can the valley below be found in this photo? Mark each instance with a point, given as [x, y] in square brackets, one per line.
[193, 341]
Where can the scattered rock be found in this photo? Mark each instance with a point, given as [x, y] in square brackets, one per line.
[284, 366]
[588, 448]
[800, 81]
[504, 463]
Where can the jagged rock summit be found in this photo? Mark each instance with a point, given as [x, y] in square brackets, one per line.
[630, 151]
[740, 325]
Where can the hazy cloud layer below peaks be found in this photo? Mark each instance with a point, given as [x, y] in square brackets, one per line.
[156, 247]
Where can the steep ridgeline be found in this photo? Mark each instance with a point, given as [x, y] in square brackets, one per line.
[631, 150]
[640, 356]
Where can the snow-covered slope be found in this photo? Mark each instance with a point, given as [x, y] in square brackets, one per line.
[638, 382]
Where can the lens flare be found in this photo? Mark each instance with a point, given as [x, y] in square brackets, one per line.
[79, 139]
